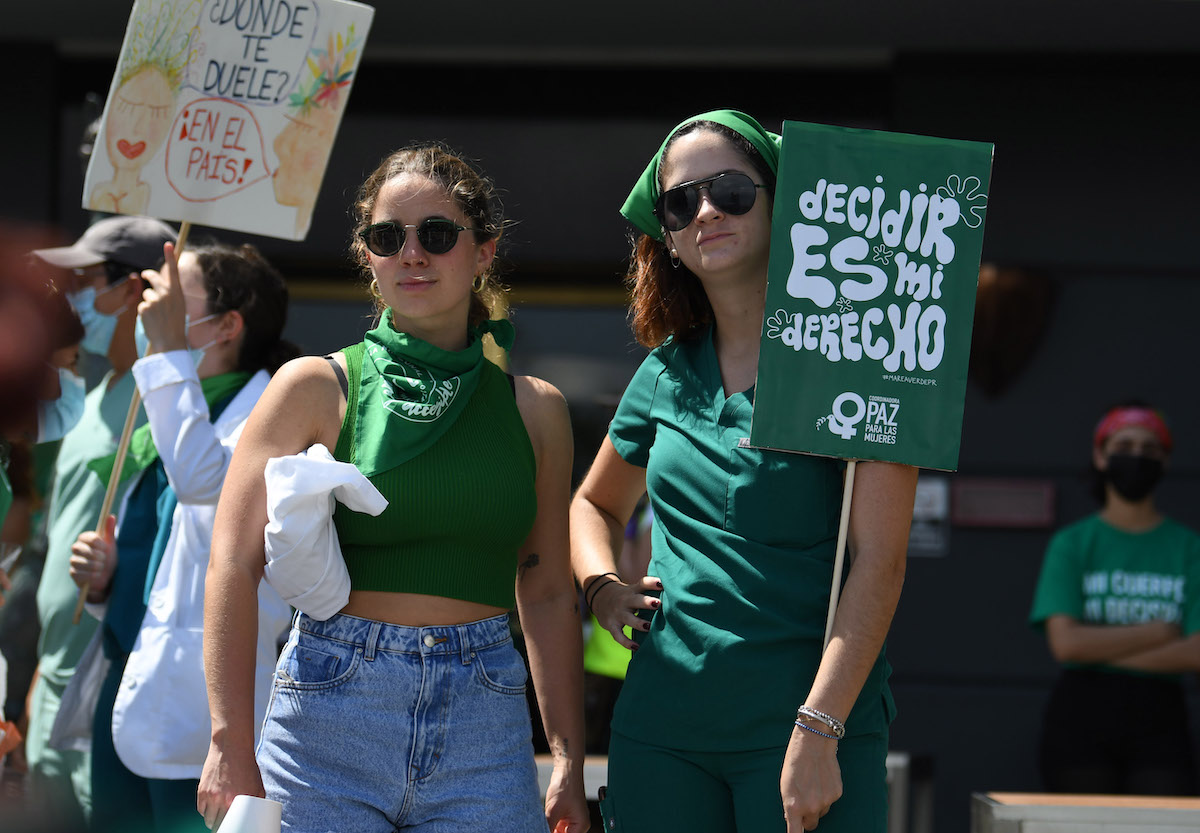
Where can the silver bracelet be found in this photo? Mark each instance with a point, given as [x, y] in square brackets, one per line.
[836, 726]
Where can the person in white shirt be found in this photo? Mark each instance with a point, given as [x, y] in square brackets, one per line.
[210, 328]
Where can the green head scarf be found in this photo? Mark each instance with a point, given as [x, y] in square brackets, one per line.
[639, 205]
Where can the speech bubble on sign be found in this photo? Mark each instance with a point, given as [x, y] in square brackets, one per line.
[252, 51]
[215, 149]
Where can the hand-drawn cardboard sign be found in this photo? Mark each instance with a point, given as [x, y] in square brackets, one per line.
[875, 246]
[216, 150]
[224, 112]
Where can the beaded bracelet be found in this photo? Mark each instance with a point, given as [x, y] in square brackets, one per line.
[836, 726]
[808, 728]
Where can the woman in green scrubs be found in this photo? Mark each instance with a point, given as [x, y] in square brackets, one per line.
[729, 623]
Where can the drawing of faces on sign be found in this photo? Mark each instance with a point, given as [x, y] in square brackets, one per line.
[301, 148]
[246, 57]
[315, 108]
[141, 107]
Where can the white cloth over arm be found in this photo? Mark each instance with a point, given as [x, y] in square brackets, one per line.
[304, 557]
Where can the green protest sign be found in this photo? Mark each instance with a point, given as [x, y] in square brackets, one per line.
[875, 246]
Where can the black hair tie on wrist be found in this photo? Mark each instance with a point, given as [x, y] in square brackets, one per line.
[596, 588]
[596, 585]
[588, 588]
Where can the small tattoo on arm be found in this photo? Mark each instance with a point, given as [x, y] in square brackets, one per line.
[561, 748]
[528, 564]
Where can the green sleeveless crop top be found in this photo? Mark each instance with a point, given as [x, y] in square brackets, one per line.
[457, 513]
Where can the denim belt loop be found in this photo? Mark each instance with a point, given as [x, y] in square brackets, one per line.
[464, 644]
[372, 641]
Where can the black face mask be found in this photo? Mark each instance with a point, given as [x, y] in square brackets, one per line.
[1133, 476]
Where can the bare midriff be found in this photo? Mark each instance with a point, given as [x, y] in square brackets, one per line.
[416, 609]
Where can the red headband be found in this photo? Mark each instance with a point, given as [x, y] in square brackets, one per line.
[1119, 418]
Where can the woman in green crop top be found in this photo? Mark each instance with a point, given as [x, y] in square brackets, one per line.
[405, 709]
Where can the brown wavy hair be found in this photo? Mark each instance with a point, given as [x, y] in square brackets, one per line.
[667, 300]
[474, 193]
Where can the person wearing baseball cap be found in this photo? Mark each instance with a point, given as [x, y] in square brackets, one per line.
[101, 262]
[102, 278]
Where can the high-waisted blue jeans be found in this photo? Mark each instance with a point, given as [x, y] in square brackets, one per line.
[374, 727]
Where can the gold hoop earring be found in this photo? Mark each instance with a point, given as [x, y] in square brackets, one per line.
[674, 258]
[479, 283]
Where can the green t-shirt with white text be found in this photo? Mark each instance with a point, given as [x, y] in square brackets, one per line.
[1101, 575]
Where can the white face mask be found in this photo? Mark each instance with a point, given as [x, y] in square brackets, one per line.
[58, 416]
[197, 353]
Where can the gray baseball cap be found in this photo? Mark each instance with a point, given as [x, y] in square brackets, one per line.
[132, 241]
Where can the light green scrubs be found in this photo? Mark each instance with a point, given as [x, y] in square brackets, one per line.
[61, 779]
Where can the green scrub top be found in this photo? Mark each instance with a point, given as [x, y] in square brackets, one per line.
[744, 543]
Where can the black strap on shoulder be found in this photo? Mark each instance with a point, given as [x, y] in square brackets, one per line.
[341, 376]
[512, 383]
[344, 452]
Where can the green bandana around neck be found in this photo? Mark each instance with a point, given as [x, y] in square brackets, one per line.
[411, 392]
[639, 205]
[142, 453]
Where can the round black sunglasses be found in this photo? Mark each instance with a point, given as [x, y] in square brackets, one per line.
[436, 235]
[733, 193]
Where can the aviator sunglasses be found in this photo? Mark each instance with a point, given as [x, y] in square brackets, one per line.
[436, 235]
[733, 193]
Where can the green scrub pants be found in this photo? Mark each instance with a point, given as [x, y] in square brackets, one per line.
[652, 789]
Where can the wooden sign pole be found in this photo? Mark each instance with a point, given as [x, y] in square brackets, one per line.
[840, 559]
